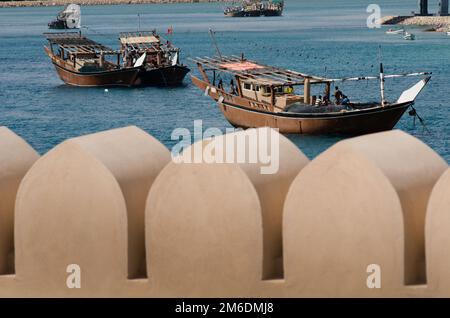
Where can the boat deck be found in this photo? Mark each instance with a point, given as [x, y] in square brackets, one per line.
[75, 43]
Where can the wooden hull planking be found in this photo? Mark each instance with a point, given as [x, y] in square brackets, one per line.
[254, 13]
[354, 124]
[124, 77]
[164, 76]
[119, 77]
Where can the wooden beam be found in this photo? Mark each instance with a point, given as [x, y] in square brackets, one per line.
[307, 91]
[204, 75]
[238, 85]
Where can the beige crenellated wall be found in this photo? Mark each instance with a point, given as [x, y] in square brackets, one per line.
[437, 236]
[83, 203]
[16, 157]
[361, 202]
[222, 235]
[142, 225]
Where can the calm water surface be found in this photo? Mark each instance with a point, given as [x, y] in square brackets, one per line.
[323, 37]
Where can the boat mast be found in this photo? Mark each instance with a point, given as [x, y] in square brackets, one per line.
[139, 22]
[213, 38]
[383, 100]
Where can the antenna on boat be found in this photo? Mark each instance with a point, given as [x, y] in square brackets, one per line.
[213, 38]
[383, 100]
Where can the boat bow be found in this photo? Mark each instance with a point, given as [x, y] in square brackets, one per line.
[411, 93]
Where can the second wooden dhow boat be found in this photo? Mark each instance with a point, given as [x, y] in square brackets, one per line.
[261, 95]
[158, 59]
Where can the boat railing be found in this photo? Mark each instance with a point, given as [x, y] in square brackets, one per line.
[262, 106]
[254, 104]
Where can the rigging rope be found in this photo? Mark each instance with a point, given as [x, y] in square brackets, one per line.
[413, 112]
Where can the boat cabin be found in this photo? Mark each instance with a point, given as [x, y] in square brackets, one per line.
[147, 48]
[279, 88]
[283, 95]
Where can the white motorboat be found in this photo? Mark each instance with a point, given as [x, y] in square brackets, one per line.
[395, 31]
[409, 36]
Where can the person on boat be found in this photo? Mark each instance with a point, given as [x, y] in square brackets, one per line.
[345, 100]
[289, 89]
[232, 88]
[325, 100]
[319, 101]
[126, 57]
[338, 95]
[220, 85]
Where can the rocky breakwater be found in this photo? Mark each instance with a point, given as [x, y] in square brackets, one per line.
[436, 23]
[31, 3]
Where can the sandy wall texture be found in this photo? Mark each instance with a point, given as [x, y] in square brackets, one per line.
[136, 223]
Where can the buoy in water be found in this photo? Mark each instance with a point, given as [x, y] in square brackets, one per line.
[106, 90]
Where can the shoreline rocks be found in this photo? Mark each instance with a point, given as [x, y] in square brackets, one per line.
[437, 23]
[51, 3]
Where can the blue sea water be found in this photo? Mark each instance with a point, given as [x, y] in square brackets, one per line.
[323, 37]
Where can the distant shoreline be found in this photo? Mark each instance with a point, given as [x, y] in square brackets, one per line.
[437, 23]
[51, 3]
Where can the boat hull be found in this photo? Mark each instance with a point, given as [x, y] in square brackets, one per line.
[164, 76]
[123, 77]
[57, 25]
[272, 13]
[255, 13]
[236, 14]
[111, 78]
[241, 112]
[362, 122]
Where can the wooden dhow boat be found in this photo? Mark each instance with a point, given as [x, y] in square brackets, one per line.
[261, 95]
[157, 58]
[255, 8]
[80, 61]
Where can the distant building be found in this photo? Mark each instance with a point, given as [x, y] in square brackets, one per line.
[423, 8]
[443, 7]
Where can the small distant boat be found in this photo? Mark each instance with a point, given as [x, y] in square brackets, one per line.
[409, 36]
[448, 33]
[256, 8]
[68, 18]
[395, 31]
